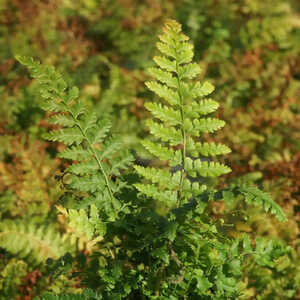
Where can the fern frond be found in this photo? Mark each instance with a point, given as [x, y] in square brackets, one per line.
[32, 242]
[181, 121]
[98, 135]
[120, 163]
[111, 146]
[255, 196]
[90, 184]
[85, 134]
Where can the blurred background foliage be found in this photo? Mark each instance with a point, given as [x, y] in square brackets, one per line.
[249, 49]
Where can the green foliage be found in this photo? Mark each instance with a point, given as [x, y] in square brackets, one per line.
[253, 195]
[249, 49]
[86, 295]
[87, 138]
[33, 242]
[170, 242]
[83, 227]
[180, 120]
[181, 254]
[11, 277]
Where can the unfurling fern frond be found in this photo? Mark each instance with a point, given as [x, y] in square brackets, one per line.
[98, 158]
[31, 241]
[180, 122]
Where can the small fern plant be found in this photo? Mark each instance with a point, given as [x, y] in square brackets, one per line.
[96, 168]
[180, 121]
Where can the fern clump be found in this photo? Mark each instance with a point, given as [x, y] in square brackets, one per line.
[181, 119]
[184, 254]
[97, 169]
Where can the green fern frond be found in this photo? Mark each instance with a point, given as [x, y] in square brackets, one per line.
[120, 163]
[85, 134]
[255, 196]
[182, 119]
[33, 242]
[62, 120]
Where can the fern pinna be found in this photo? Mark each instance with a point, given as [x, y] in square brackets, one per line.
[86, 136]
[180, 122]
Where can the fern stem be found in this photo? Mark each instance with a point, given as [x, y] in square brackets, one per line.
[98, 162]
[183, 150]
[104, 174]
